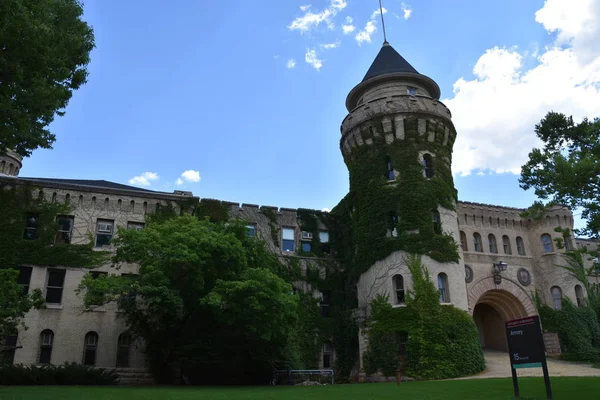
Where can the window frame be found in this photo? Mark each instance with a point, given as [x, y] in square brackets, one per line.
[492, 244]
[138, 226]
[45, 356]
[437, 222]
[25, 287]
[477, 242]
[400, 293]
[579, 296]
[521, 246]
[285, 241]
[98, 234]
[54, 288]
[463, 241]
[90, 350]
[327, 355]
[506, 245]
[251, 230]
[428, 165]
[61, 233]
[556, 301]
[31, 226]
[443, 288]
[548, 246]
[123, 351]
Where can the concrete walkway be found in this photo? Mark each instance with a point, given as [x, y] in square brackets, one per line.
[498, 366]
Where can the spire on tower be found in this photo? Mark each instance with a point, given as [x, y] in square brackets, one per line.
[382, 23]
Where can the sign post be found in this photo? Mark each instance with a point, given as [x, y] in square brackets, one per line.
[526, 349]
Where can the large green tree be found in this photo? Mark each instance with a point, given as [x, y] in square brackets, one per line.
[44, 51]
[566, 169]
[208, 302]
[13, 303]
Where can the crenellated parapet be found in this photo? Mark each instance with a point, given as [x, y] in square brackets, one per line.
[397, 118]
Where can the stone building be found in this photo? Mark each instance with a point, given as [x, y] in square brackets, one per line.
[394, 117]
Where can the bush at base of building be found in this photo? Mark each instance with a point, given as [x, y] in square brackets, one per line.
[442, 340]
[66, 374]
[578, 330]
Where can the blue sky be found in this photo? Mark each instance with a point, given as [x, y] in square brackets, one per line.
[242, 100]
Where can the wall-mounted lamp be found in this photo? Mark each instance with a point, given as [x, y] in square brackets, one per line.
[498, 268]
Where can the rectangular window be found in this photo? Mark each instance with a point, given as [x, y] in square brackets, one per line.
[306, 247]
[324, 239]
[54, 286]
[31, 225]
[24, 278]
[288, 239]
[411, 90]
[104, 232]
[138, 226]
[251, 230]
[65, 229]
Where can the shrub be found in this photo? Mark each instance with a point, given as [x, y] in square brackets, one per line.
[442, 340]
[66, 374]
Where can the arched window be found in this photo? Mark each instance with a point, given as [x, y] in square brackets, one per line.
[327, 355]
[46, 342]
[399, 289]
[443, 288]
[428, 165]
[123, 345]
[90, 347]
[477, 245]
[520, 246]
[579, 296]
[506, 245]
[463, 241]
[569, 243]
[437, 222]
[8, 347]
[390, 170]
[556, 297]
[547, 243]
[492, 243]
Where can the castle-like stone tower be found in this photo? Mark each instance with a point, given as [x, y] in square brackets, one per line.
[397, 143]
[10, 163]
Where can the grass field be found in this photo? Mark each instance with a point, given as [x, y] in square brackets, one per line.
[531, 388]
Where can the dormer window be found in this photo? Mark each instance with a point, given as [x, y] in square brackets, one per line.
[412, 91]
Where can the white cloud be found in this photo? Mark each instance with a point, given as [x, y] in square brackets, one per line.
[312, 20]
[144, 179]
[306, 7]
[291, 63]
[496, 111]
[348, 28]
[179, 182]
[407, 10]
[371, 27]
[328, 46]
[326, 210]
[311, 58]
[191, 176]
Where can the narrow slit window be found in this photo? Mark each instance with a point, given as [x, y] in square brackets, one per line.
[428, 165]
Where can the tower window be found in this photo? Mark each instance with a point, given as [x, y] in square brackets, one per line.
[411, 90]
[443, 288]
[399, 289]
[556, 297]
[393, 224]
[390, 170]
[437, 222]
[579, 296]
[428, 165]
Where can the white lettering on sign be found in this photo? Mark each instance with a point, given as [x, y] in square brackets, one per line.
[513, 333]
[516, 357]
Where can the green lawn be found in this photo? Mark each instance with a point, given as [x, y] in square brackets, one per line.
[531, 388]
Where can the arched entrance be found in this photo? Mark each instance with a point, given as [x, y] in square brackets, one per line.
[492, 305]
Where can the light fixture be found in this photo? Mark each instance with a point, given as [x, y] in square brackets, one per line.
[500, 266]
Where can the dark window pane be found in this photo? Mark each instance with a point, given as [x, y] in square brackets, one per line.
[56, 277]
[63, 237]
[326, 360]
[54, 295]
[97, 274]
[24, 275]
[30, 234]
[123, 357]
[325, 248]
[251, 230]
[45, 354]
[64, 223]
[103, 240]
[90, 356]
[288, 245]
[306, 247]
[400, 296]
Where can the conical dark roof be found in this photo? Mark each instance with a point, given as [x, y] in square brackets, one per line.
[388, 61]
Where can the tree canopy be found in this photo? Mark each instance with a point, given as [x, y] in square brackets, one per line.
[13, 304]
[207, 302]
[44, 52]
[567, 169]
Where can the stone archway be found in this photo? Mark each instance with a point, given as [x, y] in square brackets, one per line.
[492, 304]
